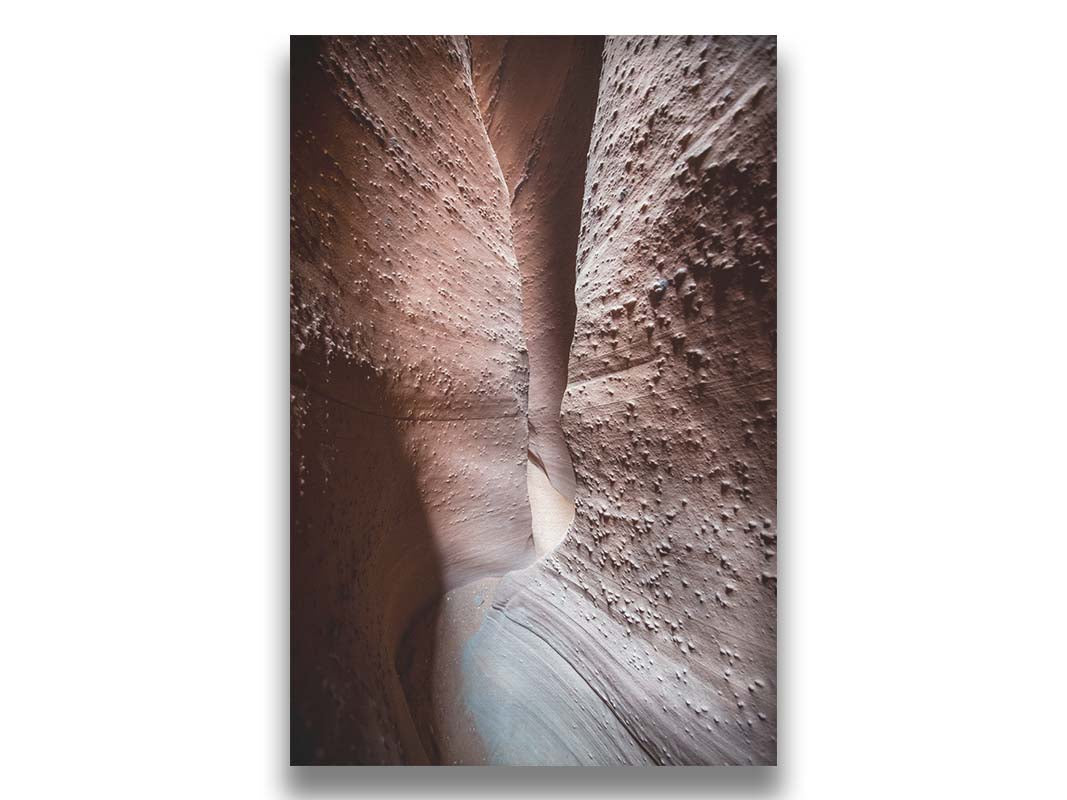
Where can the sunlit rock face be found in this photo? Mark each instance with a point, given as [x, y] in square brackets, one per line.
[456, 203]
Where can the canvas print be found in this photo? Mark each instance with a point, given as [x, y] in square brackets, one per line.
[533, 400]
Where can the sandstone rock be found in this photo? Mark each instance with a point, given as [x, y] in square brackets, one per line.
[538, 95]
[658, 600]
[443, 192]
[409, 376]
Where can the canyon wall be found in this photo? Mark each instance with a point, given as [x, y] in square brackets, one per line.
[649, 635]
[409, 376]
[609, 205]
[538, 95]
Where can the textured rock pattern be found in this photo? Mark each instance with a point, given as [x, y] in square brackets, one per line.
[408, 374]
[443, 191]
[663, 596]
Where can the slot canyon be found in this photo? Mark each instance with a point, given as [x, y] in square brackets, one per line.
[533, 400]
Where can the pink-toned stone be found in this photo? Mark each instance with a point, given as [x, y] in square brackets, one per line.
[443, 191]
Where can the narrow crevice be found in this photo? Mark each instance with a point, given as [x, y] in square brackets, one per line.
[542, 109]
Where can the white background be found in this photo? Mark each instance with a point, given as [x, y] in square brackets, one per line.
[145, 338]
